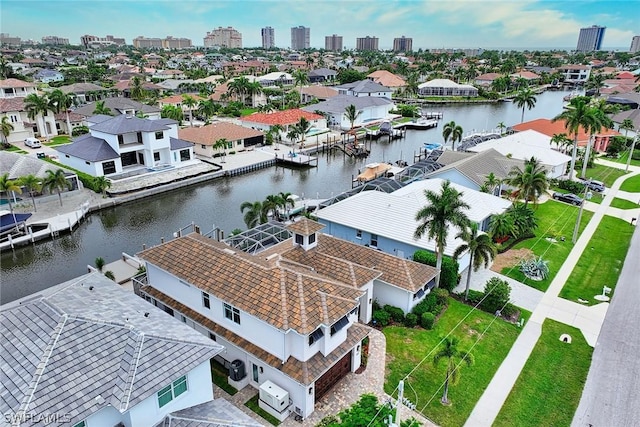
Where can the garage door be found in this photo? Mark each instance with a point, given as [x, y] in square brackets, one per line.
[332, 376]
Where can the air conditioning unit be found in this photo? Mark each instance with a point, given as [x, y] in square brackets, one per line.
[274, 396]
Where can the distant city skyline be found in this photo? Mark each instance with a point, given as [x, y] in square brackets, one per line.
[431, 24]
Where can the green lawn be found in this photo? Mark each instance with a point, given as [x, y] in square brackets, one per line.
[631, 185]
[58, 140]
[407, 347]
[555, 221]
[253, 405]
[624, 156]
[220, 374]
[549, 387]
[602, 173]
[14, 149]
[601, 261]
[247, 111]
[623, 204]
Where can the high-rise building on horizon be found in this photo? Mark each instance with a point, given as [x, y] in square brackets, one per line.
[88, 41]
[403, 44]
[635, 44]
[300, 38]
[55, 40]
[148, 42]
[170, 42]
[333, 43]
[7, 40]
[268, 38]
[590, 38]
[223, 37]
[367, 43]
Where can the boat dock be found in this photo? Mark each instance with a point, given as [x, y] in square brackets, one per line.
[422, 124]
[296, 159]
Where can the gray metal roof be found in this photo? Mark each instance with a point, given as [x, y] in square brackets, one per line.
[118, 106]
[86, 344]
[324, 72]
[337, 104]
[122, 124]
[364, 86]
[89, 148]
[99, 118]
[179, 144]
[215, 413]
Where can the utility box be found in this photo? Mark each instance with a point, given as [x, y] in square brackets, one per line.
[274, 400]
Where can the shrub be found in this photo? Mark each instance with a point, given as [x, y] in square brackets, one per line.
[376, 305]
[636, 155]
[381, 317]
[427, 305]
[509, 311]
[474, 296]
[574, 187]
[396, 313]
[498, 294]
[79, 130]
[427, 320]
[535, 268]
[442, 296]
[449, 274]
[410, 320]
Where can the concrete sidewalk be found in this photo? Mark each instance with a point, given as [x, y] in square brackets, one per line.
[588, 319]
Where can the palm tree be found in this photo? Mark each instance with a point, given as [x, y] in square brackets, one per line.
[481, 251]
[238, 87]
[56, 181]
[303, 127]
[293, 134]
[502, 127]
[627, 125]
[285, 200]
[351, 113]
[271, 204]
[61, 101]
[207, 108]
[559, 139]
[453, 356]
[137, 89]
[255, 213]
[172, 112]
[530, 182]
[525, 98]
[492, 182]
[101, 184]
[6, 127]
[501, 226]
[253, 89]
[598, 120]
[32, 184]
[190, 102]
[596, 82]
[452, 131]
[100, 108]
[277, 131]
[7, 186]
[37, 107]
[442, 210]
[576, 115]
[300, 78]
[99, 263]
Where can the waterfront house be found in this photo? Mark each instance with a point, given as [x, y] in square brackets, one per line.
[575, 73]
[364, 88]
[386, 221]
[124, 143]
[370, 109]
[275, 78]
[12, 95]
[238, 138]
[530, 77]
[286, 119]
[446, 87]
[178, 101]
[121, 106]
[321, 93]
[322, 75]
[387, 79]
[288, 314]
[487, 79]
[87, 353]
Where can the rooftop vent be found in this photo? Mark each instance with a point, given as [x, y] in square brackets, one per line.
[146, 314]
[90, 288]
[229, 251]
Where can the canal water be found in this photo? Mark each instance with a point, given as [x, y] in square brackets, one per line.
[126, 228]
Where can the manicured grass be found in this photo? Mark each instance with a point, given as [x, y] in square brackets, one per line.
[624, 156]
[220, 374]
[602, 173]
[14, 149]
[407, 347]
[253, 405]
[631, 185]
[601, 261]
[555, 220]
[623, 204]
[247, 111]
[58, 140]
[549, 387]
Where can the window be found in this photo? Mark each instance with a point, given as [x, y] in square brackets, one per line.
[120, 139]
[212, 336]
[339, 325]
[204, 147]
[299, 239]
[14, 119]
[80, 424]
[205, 300]
[254, 370]
[315, 336]
[358, 234]
[159, 134]
[173, 390]
[185, 155]
[232, 313]
[156, 156]
[312, 238]
[374, 240]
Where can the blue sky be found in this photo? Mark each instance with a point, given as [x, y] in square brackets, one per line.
[431, 24]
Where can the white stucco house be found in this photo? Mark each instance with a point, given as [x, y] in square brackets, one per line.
[117, 144]
[287, 314]
[364, 88]
[386, 221]
[369, 109]
[12, 95]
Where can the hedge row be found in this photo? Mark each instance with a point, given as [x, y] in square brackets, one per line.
[449, 275]
[87, 180]
[424, 313]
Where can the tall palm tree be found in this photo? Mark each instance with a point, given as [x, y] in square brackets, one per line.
[271, 204]
[254, 89]
[530, 181]
[576, 115]
[9, 186]
[285, 200]
[61, 101]
[190, 102]
[137, 89]
[101, 184]
[300, 78]
[596, 82]
[37, 107]
[221, 143]
[559, 139]
[276, 130]
[443, 209]
[238, 87]
[525, 98]
[100, 108]
[481, 251]
[255, 213]
[207, 108]
[492, 182]
[32, 184]
[452, 131]
[351, 113]
[502, 127]
[598, 120]
[303, 126]
[56, 180]
[6, 127]
[172, 112]
[453, 356]
[293, 134]
[627, 125]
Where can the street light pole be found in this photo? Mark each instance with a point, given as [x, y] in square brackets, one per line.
[633, 145]
[587, 196]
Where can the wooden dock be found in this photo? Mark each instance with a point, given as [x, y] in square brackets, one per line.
[296, 159]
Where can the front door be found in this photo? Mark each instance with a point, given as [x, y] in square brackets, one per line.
[141, 158]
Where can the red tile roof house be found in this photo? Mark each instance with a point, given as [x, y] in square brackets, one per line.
[487, 78]
[286, 118]
[238, 138]
[600, 142]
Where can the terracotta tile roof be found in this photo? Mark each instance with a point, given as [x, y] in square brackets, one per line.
[488, 76]
[305, 227]
[209, 134]
[73, 117]
[7, 83]
[286, 117]
[526, 75]
[320, 92]
[387, 79]
[305, 373]
[283, 297]
[11, 104]
[549, 128]
[177, 99]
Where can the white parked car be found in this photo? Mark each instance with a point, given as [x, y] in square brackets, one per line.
[32, 142]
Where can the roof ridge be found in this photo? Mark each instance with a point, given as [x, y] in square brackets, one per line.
[406, 270]
[283, 297]
[133, 368]
[303, 308]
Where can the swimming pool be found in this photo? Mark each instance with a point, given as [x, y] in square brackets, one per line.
[5, 201]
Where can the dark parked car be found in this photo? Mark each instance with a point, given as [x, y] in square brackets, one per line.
[568, 198]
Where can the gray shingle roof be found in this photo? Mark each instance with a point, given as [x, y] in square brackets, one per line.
[216, 413]
[477, 167]
[324, 72]
[87, 338]
[89, 148]
[337, 104]
[118, 106]
[120, 125]
[364, 86]
[178, 144]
